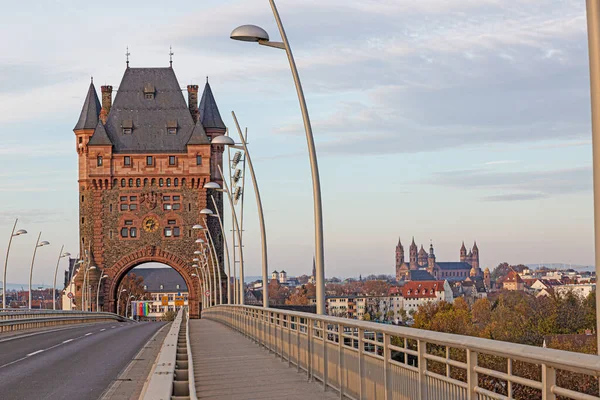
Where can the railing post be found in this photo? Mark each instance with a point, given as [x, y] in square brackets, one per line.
[548, 381]
[471, 375]
[325, 360]
[309, 344]
[361, 363]
[298, 319]
[341, 359]
[422, 365]
[386, 367]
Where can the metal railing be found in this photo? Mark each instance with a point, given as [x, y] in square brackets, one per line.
[366, 360]
[18, 319]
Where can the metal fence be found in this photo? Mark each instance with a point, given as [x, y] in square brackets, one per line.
[19, 319]
[365, 360]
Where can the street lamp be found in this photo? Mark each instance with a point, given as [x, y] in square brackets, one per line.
[12, 235]
[60, 255]
[37, 245]
[215, 261]
[261, 217]
[98, 293]
[214, 185]
[85, 295]
[218, 215]
[252, 33]
[119, 300]
[127, 306]
[206, 212]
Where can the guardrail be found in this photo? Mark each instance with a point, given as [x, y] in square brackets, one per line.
[17, 319]
[366, 360]
[170, 376]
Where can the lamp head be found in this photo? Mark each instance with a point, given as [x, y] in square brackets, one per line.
[195, 266]
[249, 33]
[212, 185]
[20, 232]
[197, 226]
[206, 211]
[223, 140]
[194, 275]
[199, 241]
[196, 260]
[43, 243]
[197, 252]
[104, 276]
[66, 254]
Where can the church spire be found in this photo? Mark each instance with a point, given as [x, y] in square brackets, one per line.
[209, 112]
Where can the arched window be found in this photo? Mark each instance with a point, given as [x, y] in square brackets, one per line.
[115, 182]
[168, 182]
[182, 181]
[123, 182]
[153, 181]
[145, 181]
[193, 182]
[176, 182]
[130, 182]
[161, 182]
[138, 182]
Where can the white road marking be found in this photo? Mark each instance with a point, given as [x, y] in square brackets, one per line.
[102, 330]
[113, 327]
[88, 334]
[34, 353]
[69, 340]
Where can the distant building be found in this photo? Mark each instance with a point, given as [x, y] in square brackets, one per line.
[420, 260]
[513, 281]
[161, 283]
[418, 293]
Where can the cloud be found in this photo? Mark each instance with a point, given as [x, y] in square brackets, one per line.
[500, 162]
[516, 197]
[32, 216]
[524, 185]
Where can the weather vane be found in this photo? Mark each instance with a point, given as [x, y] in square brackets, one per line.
[127, 54]
[171, 56]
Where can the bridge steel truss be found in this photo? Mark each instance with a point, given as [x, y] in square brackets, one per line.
[366, 360]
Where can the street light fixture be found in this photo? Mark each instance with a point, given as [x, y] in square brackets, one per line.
[218, 216]
[253, 33]
[85, 295]
[37, 245]
[119, 300]
[12, 235]
[208, 235]
[199, 240]
[60, 255]
[98, 293]
[222, 140]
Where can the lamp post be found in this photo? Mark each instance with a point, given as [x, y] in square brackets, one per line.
[200, 276]
[261, 217]
[71, 282]
[127, 305]
[85, 301]
[37, 245]
[593, 26]
[206, 212]
[218, 215]
[60, 255]
[12, 235]
[252, 33]
[206, 278]
[98, 293]
[214, 185]
[119, 300]
[215, 263]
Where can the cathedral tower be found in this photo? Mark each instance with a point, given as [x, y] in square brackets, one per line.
[413, 255]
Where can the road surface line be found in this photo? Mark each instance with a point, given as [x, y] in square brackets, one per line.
[34, 353]
[69, 340]
[102, 330]
[88, 334]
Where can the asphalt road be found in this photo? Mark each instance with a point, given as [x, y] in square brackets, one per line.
[77, 363]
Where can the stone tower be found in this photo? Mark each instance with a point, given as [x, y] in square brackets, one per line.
[422, 257]
[413, 255]
[463, 253]
[399, 254]
[431, 259]
[143, 162]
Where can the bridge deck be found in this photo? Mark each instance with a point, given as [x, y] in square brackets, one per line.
[227, 365]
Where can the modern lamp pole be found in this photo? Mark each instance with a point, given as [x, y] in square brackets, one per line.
[98, 293]
[207, 233]
[218, 215]
[251, 33]
[593, 27]
[37, 244]
[213, 185]
[211, 265]
[12, 235]
[261, 217]
[60, 255]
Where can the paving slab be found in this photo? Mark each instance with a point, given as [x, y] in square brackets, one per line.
[227, 365]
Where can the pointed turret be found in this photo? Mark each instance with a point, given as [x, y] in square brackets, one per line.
[100, 137]
[422, 257]
[198, 135]
[431, 259]
[209, 112]
[399, 254]
[413, 255]
[463, 252]
[88, 119]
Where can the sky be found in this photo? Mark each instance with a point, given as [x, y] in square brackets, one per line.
[443, 120]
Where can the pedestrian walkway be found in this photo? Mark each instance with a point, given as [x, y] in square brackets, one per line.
[228, 365]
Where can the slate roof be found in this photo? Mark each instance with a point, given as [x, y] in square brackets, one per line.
[452, 266]
[100, 137]
[209, 112]
[420, 275]
[198, 135]
[149, 117]
[168, 277]
[88, 119]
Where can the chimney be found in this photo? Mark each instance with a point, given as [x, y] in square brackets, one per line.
[106, 102]
[193, 101]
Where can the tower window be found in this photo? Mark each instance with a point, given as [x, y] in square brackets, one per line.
[127, 160]
[99, 161]
[198, 160]
[172, 160]
[124, 232]
[133, 232]
[149, 160]
[149, 92]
